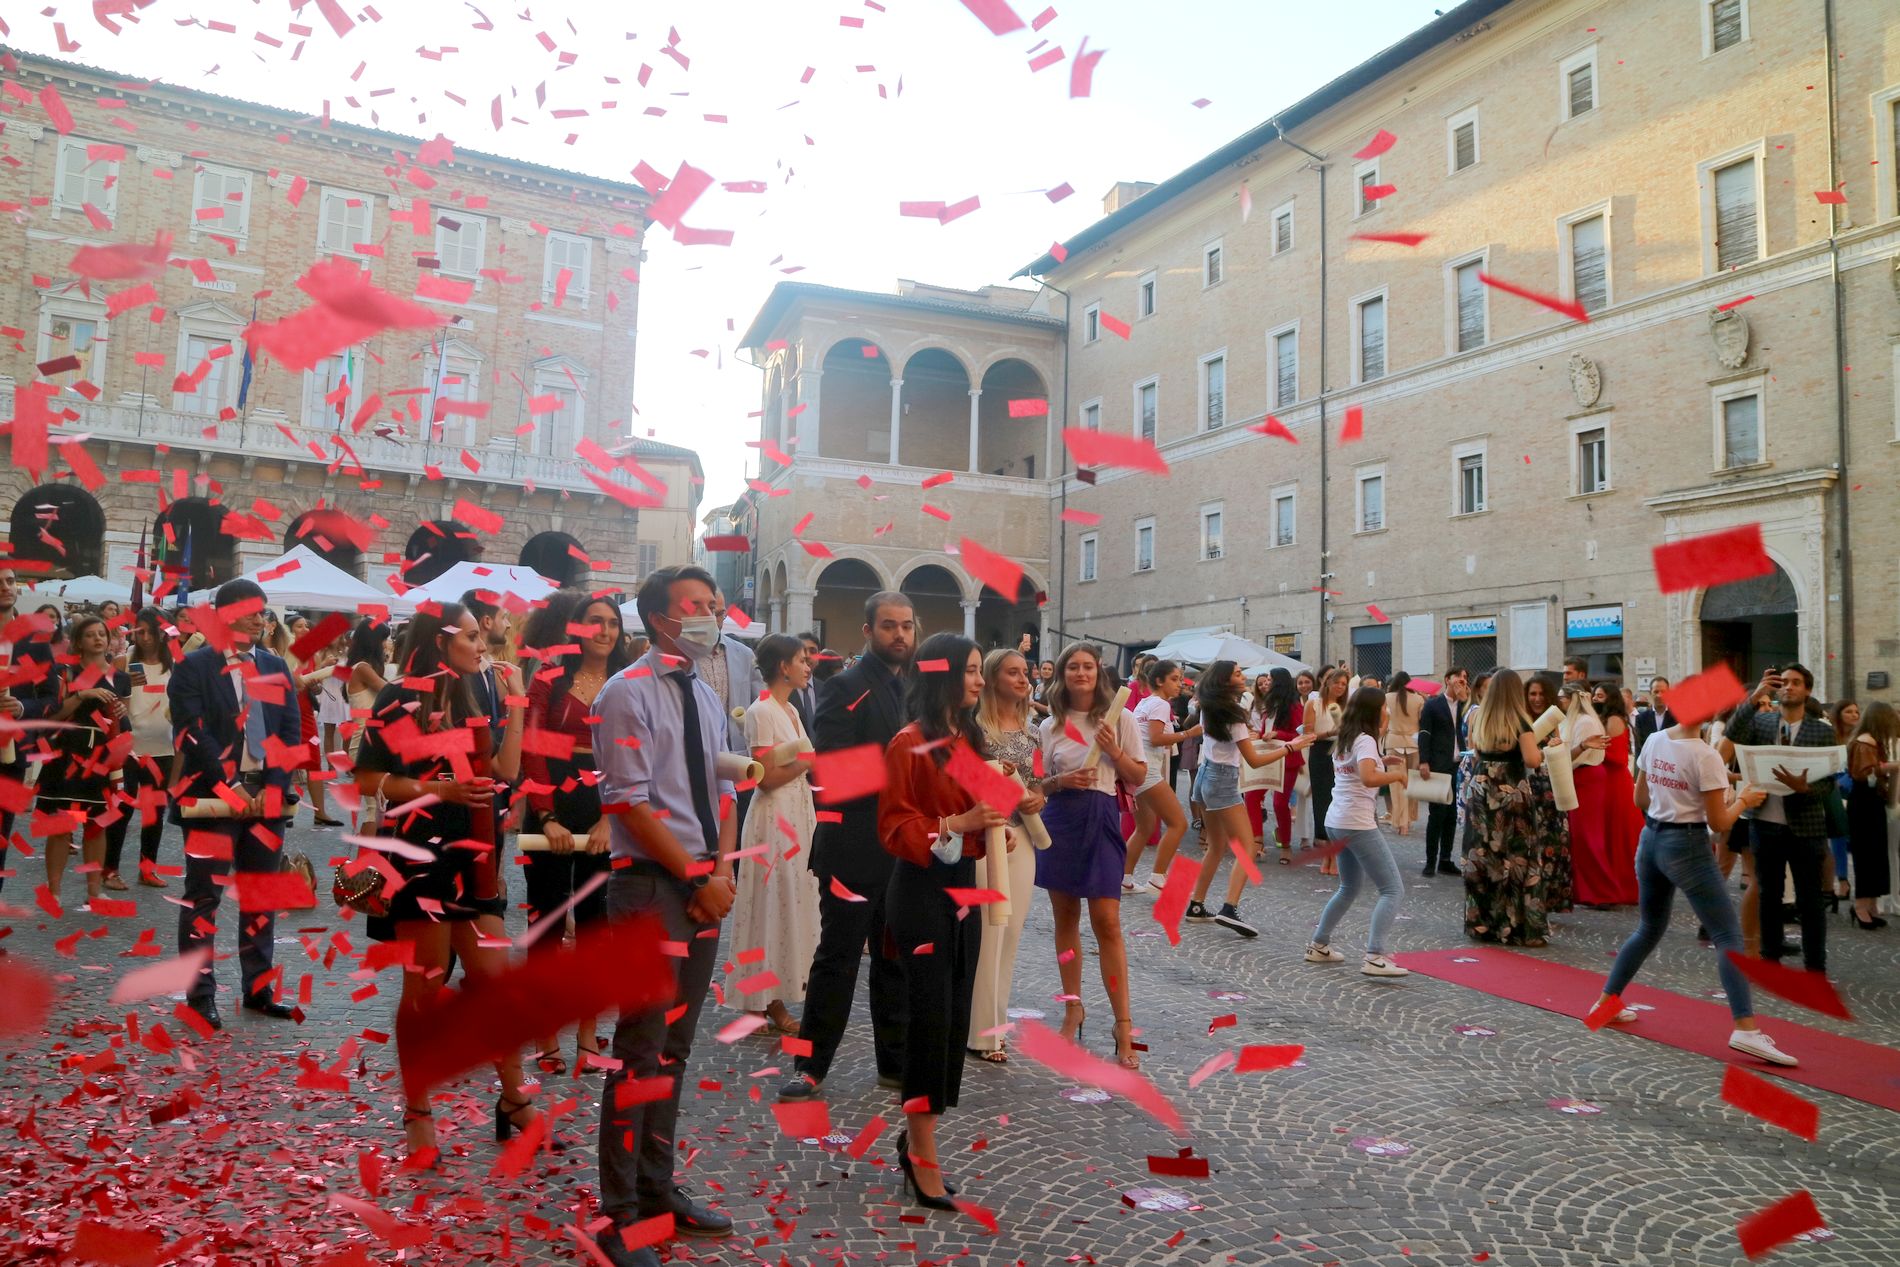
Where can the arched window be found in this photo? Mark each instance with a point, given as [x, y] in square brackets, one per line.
[557, 556]
[58, 531]
[437, 546]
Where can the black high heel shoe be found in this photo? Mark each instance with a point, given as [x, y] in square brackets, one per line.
[429, 1158]
[506, 1126]
[910, 1179]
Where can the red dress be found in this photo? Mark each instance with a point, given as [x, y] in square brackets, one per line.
[1604, 829]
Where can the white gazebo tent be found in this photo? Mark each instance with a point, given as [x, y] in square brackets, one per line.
[488, 578]
[87, 590]
[1204, 646]
[306, 581]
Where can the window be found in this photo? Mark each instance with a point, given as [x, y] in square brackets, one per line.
[457, 377]
[1210, 531]
[1214, 391]
[1737, 201]
[1593, 461]
[1369, 330]
[81, 179]
[1461, 140]
[1286, 367]
[1211, 265]
[1577, 81]
[1092, 416]
[648, 557]
[1284, 516]
[1587, 255]
[332, 390]
[576, 256]
[1365, 178]
[460, 243]
[558, 430]
[69, 327]
[1741, 430]
[1145, 297]
[1469, 466]
[1370, 500]
[1147, 396]
[1726, 25]
[1086, 567]
[211, 393]
[1091, 323]
[221, 202]
[1472, 317]
[1283, 229]
[344, 220]
[1372, 651]
[1887, 153]
[1144, 545]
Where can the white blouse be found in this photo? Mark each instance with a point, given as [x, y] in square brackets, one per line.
[1061, 754]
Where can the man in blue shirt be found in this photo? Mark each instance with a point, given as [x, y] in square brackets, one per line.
[658, 733]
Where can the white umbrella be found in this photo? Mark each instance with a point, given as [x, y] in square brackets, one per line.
[85, 589]
[1203, 648]
[488, 578]
[304, 579]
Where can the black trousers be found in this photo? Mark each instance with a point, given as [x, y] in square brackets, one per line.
[1319, 775]
[552, 878]
[1441, 825]
[843, 929]
[1777, 850]
[151, 834]
[16, 771]
[937, 985]
[198, 918]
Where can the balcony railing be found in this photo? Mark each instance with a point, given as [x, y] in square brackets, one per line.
[846, 470]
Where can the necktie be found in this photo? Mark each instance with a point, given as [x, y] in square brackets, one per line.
[696, 772]
[254, 729]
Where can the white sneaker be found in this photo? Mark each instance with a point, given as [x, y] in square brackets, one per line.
[1158, 883]
[1755, 1043]
[1625, 1016]
[1380, 966]
[1316, 953]
[1128, 884]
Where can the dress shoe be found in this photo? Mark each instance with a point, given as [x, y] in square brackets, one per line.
[274, 1010]
[619, 1255]
[890, 1082]
[690, 1218]
[801, 1086]
[210, 1013]
[1447, 867]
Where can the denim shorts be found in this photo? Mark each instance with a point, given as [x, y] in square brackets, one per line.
[1217, 786]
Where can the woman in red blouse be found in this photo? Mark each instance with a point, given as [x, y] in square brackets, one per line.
[935, 829]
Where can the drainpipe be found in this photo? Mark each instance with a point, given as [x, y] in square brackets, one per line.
[1325, 576]
[1843, 689]
[1061, 473]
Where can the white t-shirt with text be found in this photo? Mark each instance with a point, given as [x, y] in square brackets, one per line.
[1679, 771]
[1353, 807]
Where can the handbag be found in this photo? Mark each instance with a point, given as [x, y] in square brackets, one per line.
[362, 891]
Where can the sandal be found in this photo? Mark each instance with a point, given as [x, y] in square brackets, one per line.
[1131, 1058]
[551, 1062]
[996, 1057]
[1073, 1032]
[114, 883]
[429, 1156]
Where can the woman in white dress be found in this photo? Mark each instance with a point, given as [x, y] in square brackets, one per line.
[777, 906]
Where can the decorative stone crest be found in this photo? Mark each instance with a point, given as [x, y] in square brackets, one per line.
[1729, 330]
[1586, 380]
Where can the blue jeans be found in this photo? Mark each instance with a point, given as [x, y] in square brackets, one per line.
[1365, 855]
[1674, 856]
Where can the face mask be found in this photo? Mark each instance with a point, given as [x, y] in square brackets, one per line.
[698, 636]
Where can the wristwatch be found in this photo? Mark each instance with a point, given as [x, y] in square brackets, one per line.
[700, 881]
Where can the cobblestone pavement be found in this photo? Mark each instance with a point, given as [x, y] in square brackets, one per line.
[1475, 1164]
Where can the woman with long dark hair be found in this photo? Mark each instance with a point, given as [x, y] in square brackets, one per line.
[148, 768]
[1510, 863]
[1217, 786]
[1606, 825]
[1087, 854]
[934, 829]
[1845, 714]
[367, 656]
[75, 784]
[1873, 762]
[563, 797]
[1323, 710]
[1155, 800]
[1280, 718]
[1359, 771]
[452, 901]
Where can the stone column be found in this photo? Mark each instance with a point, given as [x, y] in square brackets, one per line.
[969, 617]
[795, 617]
[897, 415]
[976, 400]
[778, 616]
[806, 429]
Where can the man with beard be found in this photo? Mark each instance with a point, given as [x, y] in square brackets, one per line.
[864, 704]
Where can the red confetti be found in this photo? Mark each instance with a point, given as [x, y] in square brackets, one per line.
[847, 774]
[1708, 694]
[1175, 896]
[1397, 239]
[1354, 427]
[1768, 1100]
[1103, 448]
[1715, 558]
[1274, 427]
[999, 572]
[1779, 1223]
[996, 15]
[1258, 1059]
[803, 1119]
[1605, 1012]
[1811, 990]
[728, 544]
[1568, 307]
[1379, 144]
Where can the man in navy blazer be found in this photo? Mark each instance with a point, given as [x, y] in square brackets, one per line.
[29, 691]
[226, 706]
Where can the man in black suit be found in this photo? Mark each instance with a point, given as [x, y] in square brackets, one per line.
[226, 708]
[1653, 717]
[28, 692]
[806, 700]
[1438, 728]
[862, 705]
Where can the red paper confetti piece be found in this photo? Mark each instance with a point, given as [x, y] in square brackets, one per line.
[1379, 144]
[273, 891]
[1043, 1045]
[996, 15]
[1184, 1165]
[1779, 1223]
[1354, 428]
[1114, 325]
[1811, 990]
[847, 774]
[1175, 896]
[1396, 239]
[1028, 408]
[1104, 448]
[1708, 694]
[1605, 1012]
[1259, 1059]
[1274, 427]
[727, 544]
[803, 1119]
[1771, 1102]
[26, 997]
[1715, 558]
[1372, 610]
[1568, 307]
[997, 571]
[1831, 197]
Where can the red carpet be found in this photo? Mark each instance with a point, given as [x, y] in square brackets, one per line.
[1846, 1066]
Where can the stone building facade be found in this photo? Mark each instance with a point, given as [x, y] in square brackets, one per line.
[1658, 163]
[893, 427]
[534, 272]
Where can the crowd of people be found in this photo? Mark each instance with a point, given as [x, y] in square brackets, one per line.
[670, 773]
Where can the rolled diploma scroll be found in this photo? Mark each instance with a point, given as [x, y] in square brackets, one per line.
[1563, 783]
[1032, 823]
[1113, 715]
[738, 767]
[996, 862]
[788, 752]
[206, 807]
[1541, 728]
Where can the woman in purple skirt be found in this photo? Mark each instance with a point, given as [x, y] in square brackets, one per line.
[1086, 855]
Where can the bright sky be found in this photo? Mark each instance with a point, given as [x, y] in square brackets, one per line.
[920, 103]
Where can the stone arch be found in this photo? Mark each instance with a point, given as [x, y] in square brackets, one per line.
[966, 587]
[435, 547]
[1006, 444]
[935, 414]
[842, 584]
[938, 591]
[58, 530]
[856, 392]
[766, 596]
[918, 347]
[551, 554]
[330, 533]
[1755, 623]
[193, 528]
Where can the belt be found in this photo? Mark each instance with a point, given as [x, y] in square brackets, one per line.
[1661, 825]
[253, 778]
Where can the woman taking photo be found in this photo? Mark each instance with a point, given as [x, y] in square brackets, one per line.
[1229, 741]
[777, 906]
[1682, 786]
[1323, 710]
[451, 902]
[563, 799]
[1359, 772]
[1086, 857]
[1510, 823]
[1403, 705]
[1873, 761]
[1004, 715]
[75, 786]
[148, 769]
[1155, 800]
[936, 832]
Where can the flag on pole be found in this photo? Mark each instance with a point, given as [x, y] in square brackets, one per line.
[184, 576]
[244, 384]
[138, 576]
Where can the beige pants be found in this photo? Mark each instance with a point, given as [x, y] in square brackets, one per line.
[996, 963]
[1403, 812]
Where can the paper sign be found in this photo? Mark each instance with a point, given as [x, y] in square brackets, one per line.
[1759, 761]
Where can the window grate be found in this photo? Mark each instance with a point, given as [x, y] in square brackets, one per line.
[1589, 264]
[1736, 226]
[1583, 90]
[1464, 146]
[1725, 24]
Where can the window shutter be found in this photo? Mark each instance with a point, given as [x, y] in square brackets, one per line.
[1372, 340]
[1735, 225]
[1583, 90]
[1470, 309]
[1283, 233]
[1726, 24]
[1589, 271]
[1216, 393]
[1287, 355]
[1464, 146]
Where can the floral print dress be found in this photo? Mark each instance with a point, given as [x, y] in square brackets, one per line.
[1517, 862]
